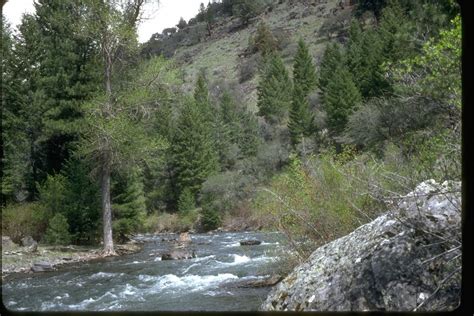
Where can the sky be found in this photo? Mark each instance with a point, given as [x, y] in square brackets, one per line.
[166, 14]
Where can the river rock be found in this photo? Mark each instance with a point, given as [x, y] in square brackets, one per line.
[28, 241]
[30, 244]
[394, 263]
[250, 242]
[42, 267]
[178, 255]
[184, 238]
[255, 283]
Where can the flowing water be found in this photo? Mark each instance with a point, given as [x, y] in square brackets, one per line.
[142, 282]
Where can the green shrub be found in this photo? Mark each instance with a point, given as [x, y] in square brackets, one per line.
[58, 231]
[186, 201]
[320, 200]
[52, 193]
[210, 218]
[20, 220]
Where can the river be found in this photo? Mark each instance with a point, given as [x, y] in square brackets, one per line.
[142, 282]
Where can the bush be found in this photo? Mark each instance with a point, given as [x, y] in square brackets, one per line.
[186, 201]
[21, 220]
[58, 231]
[210, 218]
[224, 190]
[52, 193]
[166, 222]
[320, 200]
[248, 68]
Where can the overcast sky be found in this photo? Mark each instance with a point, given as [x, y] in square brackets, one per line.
[165, 15]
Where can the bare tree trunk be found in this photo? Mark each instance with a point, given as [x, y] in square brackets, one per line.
[107, 211]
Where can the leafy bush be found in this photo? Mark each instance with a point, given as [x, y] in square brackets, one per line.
[58, 231]
[186, 201]
[20, 220]
[321, 200]
[210, 218]
[248, 68]
[52, 193]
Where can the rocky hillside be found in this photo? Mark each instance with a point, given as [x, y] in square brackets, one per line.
[224, 54]
[405, 260]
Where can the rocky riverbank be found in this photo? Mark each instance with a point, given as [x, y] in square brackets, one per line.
[18, 259]
[405, 260]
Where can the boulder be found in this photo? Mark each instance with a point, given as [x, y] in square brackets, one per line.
[30, 244]
[178, 255]
[252, 242]
[42, 267]
[28, 241]
[405, 260]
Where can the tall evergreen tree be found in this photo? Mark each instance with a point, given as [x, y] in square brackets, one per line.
[332, 58]
[304, 71]
[304, 82]
[274, 90]
[193, 155]
[201, 96]
[364, 59]
[339, 100]
[128, 204]
[67, 75]
[14, 138]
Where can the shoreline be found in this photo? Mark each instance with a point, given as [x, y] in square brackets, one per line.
[19, 261]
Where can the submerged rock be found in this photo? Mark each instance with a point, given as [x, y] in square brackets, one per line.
[250, 242]
[395, 263]
[178, 255]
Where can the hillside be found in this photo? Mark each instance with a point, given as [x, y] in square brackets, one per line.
[224, 54]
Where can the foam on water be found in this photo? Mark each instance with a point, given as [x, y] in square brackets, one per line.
[100, 275]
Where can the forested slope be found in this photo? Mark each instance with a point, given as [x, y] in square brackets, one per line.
[301, 116]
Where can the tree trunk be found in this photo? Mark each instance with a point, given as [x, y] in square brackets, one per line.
[107, 211]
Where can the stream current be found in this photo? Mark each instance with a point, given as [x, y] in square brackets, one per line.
[142, 282]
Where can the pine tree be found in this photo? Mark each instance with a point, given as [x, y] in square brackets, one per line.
[339, 100]
[128, 204]
[182, 24]
[14, 141]
[304, 71]
[304, 82]
[364, 60]
[58, 231]
[301, 120]
[333, 58]
[230, 117]
[201, 96]
[81, 202]
[274, 90]
[192, 149]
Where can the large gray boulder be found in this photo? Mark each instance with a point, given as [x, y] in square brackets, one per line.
[405, 260]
